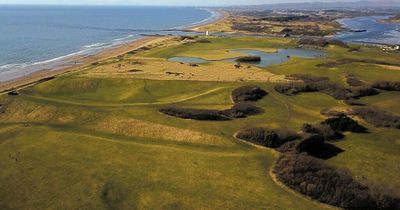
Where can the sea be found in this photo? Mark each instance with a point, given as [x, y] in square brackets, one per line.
[374, 31]
[34, 38]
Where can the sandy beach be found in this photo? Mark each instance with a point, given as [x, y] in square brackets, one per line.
[79, 62]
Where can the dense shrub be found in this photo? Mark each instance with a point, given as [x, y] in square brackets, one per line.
[242, 109]
[248, 93]
[249, 59]
[353, 102]
[195, 114]
[324, 85]
[327, 184]
[248, 27]
[267, 137]
[310, 143]
[289, 146]
[387, 85]
[351, 80]
[324, 130]
[294, 88]
[315, 146]
[377, 117]
[331, 112]
[332, 128]
[13, 93]
[322, 42]
[362, 91]
[345, 61]
[344, 123]
[285, 18]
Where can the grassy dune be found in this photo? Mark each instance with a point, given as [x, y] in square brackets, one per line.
[82, 141]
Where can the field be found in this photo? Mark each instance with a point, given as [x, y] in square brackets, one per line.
[94, 139]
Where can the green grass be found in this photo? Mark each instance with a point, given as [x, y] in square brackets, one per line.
[55, 156]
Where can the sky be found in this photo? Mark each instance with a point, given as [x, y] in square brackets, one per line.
[155, 2]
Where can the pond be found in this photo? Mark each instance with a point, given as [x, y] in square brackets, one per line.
[267, 59]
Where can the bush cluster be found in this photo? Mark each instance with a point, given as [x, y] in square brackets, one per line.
[294, 88]
[345, 61]
[344, 123]
[351, 80]
[324, 130]
[333, 127]
[387, 85]
[241, 110]
[195, 114]
[324, 85]
[377, 117]
[312, 177]
[322, 42]
[362, 91]
[353, 102]
[243, 107]
[267, 137]
[249, 59]
[13, 93]
[248, 93]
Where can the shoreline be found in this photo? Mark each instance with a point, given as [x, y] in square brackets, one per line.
[81, 62]
[76, 63]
